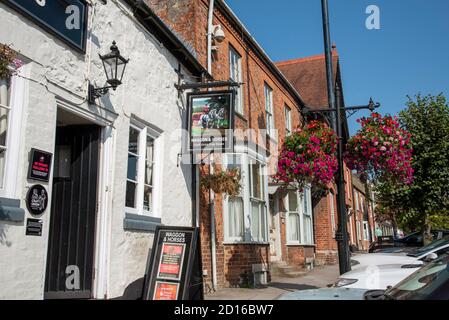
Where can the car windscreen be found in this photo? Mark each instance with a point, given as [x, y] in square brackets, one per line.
[422, 284]
[431, 246]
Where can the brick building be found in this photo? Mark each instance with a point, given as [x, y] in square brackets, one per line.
[249, 230]
[308, 75]
[362, 226]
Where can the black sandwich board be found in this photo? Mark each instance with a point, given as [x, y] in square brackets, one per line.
[174, 265]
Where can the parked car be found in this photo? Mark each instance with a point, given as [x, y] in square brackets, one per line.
[414, 239]
[431, 282]
[417, 256]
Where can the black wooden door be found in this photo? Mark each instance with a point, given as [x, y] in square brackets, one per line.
[73, 212]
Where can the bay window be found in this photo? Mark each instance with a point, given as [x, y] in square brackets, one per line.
[140, 173]
[245, 216]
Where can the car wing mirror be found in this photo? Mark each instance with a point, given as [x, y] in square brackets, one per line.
[431, 256]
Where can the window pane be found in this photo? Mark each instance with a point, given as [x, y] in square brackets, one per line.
[147, 198]
[235, 217]
[132, 167]
[292, 201]
[3, 126]
[255, 181]
[255, 220]
[293, 227]
[306, 201]
[149, 161]
[133, 140]
[131, 194]
[2, 166]
[308, 229]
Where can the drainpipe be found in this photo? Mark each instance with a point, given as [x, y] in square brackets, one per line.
[211, 167]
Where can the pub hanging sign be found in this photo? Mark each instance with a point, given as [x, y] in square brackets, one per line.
[66, 19]
[211, 121]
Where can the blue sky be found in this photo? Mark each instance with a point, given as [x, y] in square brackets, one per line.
[408, 55]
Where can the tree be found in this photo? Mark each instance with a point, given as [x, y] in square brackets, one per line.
[426, 200]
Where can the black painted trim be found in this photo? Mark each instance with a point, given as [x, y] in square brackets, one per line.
[140, 223]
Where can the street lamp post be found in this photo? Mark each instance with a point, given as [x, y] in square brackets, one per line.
[342, 233]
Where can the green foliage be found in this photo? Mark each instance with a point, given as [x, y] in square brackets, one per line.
[426, 201]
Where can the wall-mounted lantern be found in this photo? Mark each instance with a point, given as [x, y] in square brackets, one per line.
[114, 66]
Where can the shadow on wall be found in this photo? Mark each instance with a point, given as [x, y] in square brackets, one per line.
[133, 291]
[3, 238]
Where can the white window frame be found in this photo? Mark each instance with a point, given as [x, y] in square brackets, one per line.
[301, 211]
[18, 95]
[145, 131]
[236, 74]
[246, 160]
[356, 198]
[365, 230]
[269, 107]
[288, 120]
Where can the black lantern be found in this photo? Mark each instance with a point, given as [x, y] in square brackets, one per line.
[114, 66]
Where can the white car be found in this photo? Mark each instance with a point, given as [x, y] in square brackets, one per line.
[378, 271]
[376, 277]
[417, 257]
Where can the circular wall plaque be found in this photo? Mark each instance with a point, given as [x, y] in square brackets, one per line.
[37, 199]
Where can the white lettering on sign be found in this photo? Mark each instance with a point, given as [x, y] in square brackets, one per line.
[176, 237]
[41, 2]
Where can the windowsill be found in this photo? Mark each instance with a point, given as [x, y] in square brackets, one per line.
[298, 244]
[137, 222]
[10, 210]
[231, 243]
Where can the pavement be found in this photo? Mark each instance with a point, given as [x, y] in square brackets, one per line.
[319, 277]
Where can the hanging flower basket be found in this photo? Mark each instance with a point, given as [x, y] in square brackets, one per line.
[381, 149]
[7, 58]
[308, 157]
[223, 181]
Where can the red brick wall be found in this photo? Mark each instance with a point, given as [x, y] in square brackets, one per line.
[296, 255]
[326, 246]
[238, 261]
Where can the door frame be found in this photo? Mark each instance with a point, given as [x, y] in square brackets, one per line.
[105, 178]
[277, 225]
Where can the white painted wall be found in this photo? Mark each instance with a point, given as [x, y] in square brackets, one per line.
[148, 92]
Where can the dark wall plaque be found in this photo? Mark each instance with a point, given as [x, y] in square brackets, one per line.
[37, 200]
[174, 266]
[40, 165]
[67, 19]
[34, 227]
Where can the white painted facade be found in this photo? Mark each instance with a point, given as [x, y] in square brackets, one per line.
[55, 76]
